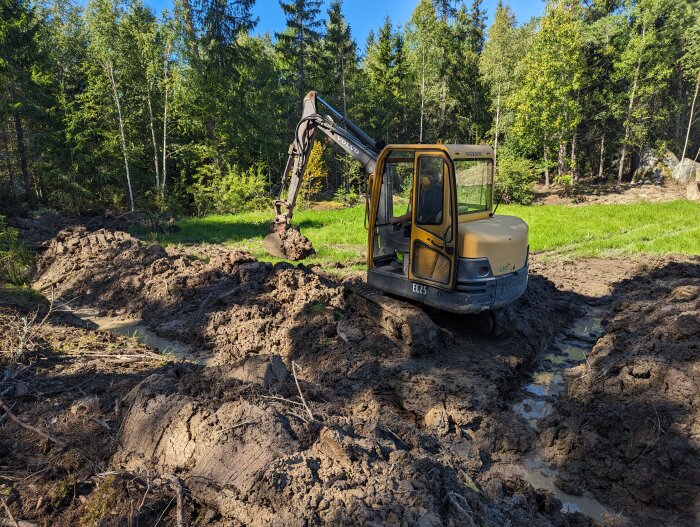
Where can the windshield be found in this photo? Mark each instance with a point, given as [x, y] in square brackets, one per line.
[474, 185]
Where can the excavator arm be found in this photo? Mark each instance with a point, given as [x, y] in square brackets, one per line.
[351, 139]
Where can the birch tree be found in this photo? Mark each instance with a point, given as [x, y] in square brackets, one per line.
[497, 65]
[103, 17]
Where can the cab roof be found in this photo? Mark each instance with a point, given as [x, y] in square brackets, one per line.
[466, 151]
[455, 151]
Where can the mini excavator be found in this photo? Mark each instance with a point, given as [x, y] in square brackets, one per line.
[434, 236]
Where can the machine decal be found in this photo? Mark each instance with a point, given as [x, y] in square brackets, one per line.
[420, 289]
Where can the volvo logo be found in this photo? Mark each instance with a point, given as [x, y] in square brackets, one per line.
[347, 145]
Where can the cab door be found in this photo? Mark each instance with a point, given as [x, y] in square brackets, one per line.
[434, 228]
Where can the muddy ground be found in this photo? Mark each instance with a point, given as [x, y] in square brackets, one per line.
[324, 403]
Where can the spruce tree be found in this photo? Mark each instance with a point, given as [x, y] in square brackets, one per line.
[299, 43]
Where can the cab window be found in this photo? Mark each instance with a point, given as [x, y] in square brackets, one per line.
[431, 190]
[474, 181]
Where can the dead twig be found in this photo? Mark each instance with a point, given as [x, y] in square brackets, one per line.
[180, 496]
[9, 513]
[301, 395]
[238, 425]
[148, 488]
[298, 416]
[281, 399]
[29, 427]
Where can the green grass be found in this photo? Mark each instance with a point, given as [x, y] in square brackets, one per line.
[566, 230]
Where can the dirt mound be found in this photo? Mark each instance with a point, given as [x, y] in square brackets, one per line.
[231, 303]
[295, 245]
[259, 459]
[628, 427]
[407, 412]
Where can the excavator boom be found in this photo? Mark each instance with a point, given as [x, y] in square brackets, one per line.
[351, 139]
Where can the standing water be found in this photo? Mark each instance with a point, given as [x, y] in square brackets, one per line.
[537, 402]
[135, 328]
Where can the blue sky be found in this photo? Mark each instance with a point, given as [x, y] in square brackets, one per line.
[363, 15]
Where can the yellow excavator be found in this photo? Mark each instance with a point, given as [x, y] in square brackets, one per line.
[434, 236]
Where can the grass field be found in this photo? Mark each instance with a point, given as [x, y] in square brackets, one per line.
[570, 231]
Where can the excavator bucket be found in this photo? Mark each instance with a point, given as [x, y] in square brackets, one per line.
[273, 245]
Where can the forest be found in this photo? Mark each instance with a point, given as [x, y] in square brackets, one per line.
[107, 105]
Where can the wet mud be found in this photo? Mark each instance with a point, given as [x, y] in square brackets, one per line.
[326, 403]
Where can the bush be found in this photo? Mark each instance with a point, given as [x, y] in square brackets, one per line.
[15, 257]
[233, 191]
[567, 183]
[347, 197]
[514, 179]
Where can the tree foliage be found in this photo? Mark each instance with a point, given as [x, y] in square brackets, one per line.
[105, 102]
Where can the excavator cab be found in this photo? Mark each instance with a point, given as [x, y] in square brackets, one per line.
[433, 236]
[448, 251]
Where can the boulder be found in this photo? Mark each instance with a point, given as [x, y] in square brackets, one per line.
[686, 171]
[654, 167]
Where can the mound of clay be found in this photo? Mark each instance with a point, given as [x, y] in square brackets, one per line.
[260, 460]
[629, 426]
[230, 303]
[295, 245]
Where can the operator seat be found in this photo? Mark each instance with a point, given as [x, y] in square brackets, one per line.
[430, 205]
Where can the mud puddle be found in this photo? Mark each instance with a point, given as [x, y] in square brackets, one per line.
[569, 349]
[136, 329]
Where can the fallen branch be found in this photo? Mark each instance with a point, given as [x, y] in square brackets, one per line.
[277, 398]
[148, 488]
[29, 427]
[301, 395]
[9, 513]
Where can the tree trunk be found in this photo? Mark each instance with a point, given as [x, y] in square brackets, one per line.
[8, 162]
[574, 169]
[22, 153]
[546, 168]
[422, 94]
[165, 120]
[561, 159]
[498, 120]
[153, 138]
[690, 120]
[601, 163]
[342, 82]
[110, 72]
[630, 107]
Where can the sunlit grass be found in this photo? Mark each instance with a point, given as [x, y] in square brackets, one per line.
[566, 230]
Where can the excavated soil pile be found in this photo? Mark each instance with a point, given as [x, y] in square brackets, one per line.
[295, 245]
[406, 419]
[232, 303]
[628, 428]
[64, 387]
[252, 452]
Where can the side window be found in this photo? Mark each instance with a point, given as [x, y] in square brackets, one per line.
[431, 190]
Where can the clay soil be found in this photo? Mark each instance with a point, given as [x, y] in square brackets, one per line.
[325, 403]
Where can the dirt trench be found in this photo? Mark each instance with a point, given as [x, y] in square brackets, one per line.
[628, 426]
[396, 415]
